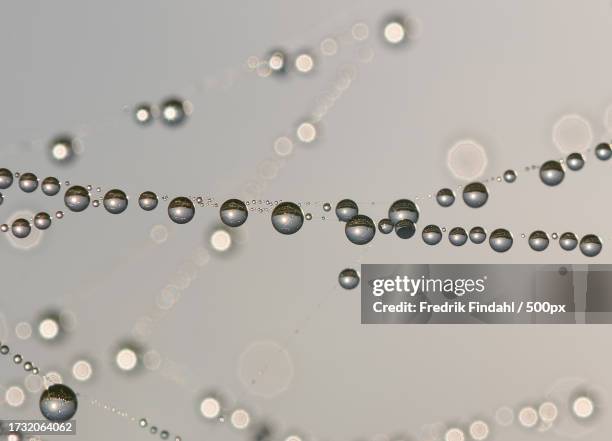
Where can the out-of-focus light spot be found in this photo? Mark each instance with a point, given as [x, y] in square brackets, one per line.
[304, 63]
[49, 328]
[240, 419]
[548, 412]
[283, 146]
[360, 31]
[454, 434]
[329, 47]
[306, 132]
[126, 359]
[14, 396]
[583, 407]
[210, 407]
[479, 430]
[572, 133]
[82, 370]
[23, 330]
[528, 417]
[394, 32]
[467, 160]
[221, 240]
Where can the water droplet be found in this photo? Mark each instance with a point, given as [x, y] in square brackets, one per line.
[326, 206]
[478, 235]
[432, 235]
[501, 240]
[590, 245]
[603, 151]
[27, 366]
[147, 200]
[115, 201]
[457, 236]
[551, 173]
[59, 214]
[42, 220]
[4, 228]
[28, 182]
[4, 349]
[287, 218]
[6, 178]
[346, 209]
[574, 161]
[403, 209]
[360, 229]
[348, 278]
[76, 198]
[405, 229]
[50, 186]
[17, 359]
[233, 213]
[568, 241]
[143, 422]
[445, 197]
[509, 176]
[21, 228]
[475, 195]
[181, 210]
[385, 226]
[538, 240]
[308, 216]
[58, 403]
[173, 112]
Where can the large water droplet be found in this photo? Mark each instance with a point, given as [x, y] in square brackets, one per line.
[360, 229]
[287, 218]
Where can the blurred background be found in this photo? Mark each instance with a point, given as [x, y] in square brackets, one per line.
[245, 334]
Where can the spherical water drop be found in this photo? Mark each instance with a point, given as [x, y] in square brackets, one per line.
[42, 220]
[233, 213]
[457, 236]
[590, 245]
[432, 235]
[445, 197]
[4, 228]
[568, 241]
[50, 186]
[403, 209]
[385, 226]
[603, 151]
[17, 359]
[143, 114]
[95, 203]
[181, 210]
[346, 209]
[287, 218]
[4, 349]
[348, 278]
[405, 229]
[360, 229]
[308, 216]
[326, 206]
[173, 112]
[21, 228]
[6, 178]
[551, 173]
[28, 182]
[115, 201]
[501, 240]
[574, 161]
[509, 176]
[538, 240]
[59, 214]
[478, 235]
[475, 194]
[76, 198]
[58, 403]
[147, 200]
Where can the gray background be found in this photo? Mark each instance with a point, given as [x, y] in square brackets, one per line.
[499, 72]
